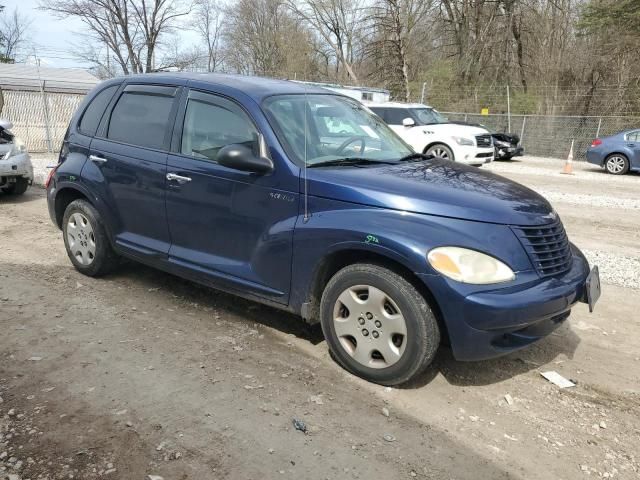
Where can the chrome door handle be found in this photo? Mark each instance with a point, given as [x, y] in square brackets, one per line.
[97, 159]
[178, 178]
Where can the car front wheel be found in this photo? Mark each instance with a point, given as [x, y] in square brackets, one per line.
[377, 325]
[440, 151]
[617, 164]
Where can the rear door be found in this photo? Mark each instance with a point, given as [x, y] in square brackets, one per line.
[127, 167]
[229, 227]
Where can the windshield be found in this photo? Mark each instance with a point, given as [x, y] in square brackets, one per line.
[337, 129]
[428, 116]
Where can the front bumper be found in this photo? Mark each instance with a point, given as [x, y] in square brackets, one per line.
[495, 322]
[472, 155]
[17, 166]
[508, 152]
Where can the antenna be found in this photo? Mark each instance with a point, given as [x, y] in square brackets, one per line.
[306, 183]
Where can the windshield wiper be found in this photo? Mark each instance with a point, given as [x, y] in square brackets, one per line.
[349, 162]
[415, 156]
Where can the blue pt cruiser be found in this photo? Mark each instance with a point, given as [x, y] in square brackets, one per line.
[306, 201]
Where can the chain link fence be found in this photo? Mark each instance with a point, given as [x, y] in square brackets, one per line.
[40, 118]
[551, 136]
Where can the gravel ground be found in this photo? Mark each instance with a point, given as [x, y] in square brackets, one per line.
[552, 167]
[620, 270]
[590, 200]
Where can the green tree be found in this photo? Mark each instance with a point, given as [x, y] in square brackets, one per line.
[599, 15]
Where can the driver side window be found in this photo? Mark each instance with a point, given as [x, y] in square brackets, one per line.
[211, 123]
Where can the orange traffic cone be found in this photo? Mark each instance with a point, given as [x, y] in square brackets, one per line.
[568, 165]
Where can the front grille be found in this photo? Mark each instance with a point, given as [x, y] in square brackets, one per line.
[547, 246]
[484, 155]
[483, 140]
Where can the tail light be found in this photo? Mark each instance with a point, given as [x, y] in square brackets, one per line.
[596, 142]
[52, 171]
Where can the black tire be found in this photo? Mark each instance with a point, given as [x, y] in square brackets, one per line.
[439, 148]
[616, 164]
[17, 188]
[422, 332]
[104, 259]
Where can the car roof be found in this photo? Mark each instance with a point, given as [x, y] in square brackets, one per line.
[396, 105]
[257, 88]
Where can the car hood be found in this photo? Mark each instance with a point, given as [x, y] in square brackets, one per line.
[434, 187]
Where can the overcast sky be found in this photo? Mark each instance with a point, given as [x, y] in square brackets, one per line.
[52, 39]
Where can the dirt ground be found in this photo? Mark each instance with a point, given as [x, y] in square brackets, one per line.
[142, 373]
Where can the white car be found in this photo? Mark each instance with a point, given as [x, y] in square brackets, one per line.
[16, 171]
[427, 131]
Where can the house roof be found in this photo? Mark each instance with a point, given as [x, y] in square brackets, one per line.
[22, 76]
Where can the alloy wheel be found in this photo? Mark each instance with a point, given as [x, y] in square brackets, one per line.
[616, 164]
[440, 153]
[370, 326]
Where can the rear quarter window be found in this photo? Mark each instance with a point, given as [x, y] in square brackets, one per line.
[93, 113]
[633, 137]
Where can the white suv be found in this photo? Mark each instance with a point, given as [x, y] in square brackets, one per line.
[427, 131]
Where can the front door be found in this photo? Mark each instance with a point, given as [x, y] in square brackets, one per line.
[233, 228]
[127, 167]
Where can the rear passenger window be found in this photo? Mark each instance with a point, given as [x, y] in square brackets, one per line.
[140, 118]
[211, 123]
[93, 113]
[380, 112]
[633, 137]
[394, 116]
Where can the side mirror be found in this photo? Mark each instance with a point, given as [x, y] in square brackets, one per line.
[409, 122]
[242, 158]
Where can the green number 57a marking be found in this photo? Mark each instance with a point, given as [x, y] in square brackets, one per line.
[371, 239]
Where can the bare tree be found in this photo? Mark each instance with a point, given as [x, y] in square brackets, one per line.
[13, 34]
[131, 30]
[261, 37]
[338, 22]
[394, 23]
[208, 24]
[253, 36]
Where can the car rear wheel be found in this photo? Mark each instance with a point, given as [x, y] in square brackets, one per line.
[617, 164]
[441, 151]
[377, 325]
[18, 188]
[86, 240]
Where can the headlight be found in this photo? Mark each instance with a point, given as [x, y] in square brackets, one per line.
[469, 266]
[464, 141]
[500, 143]
[18, 147]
